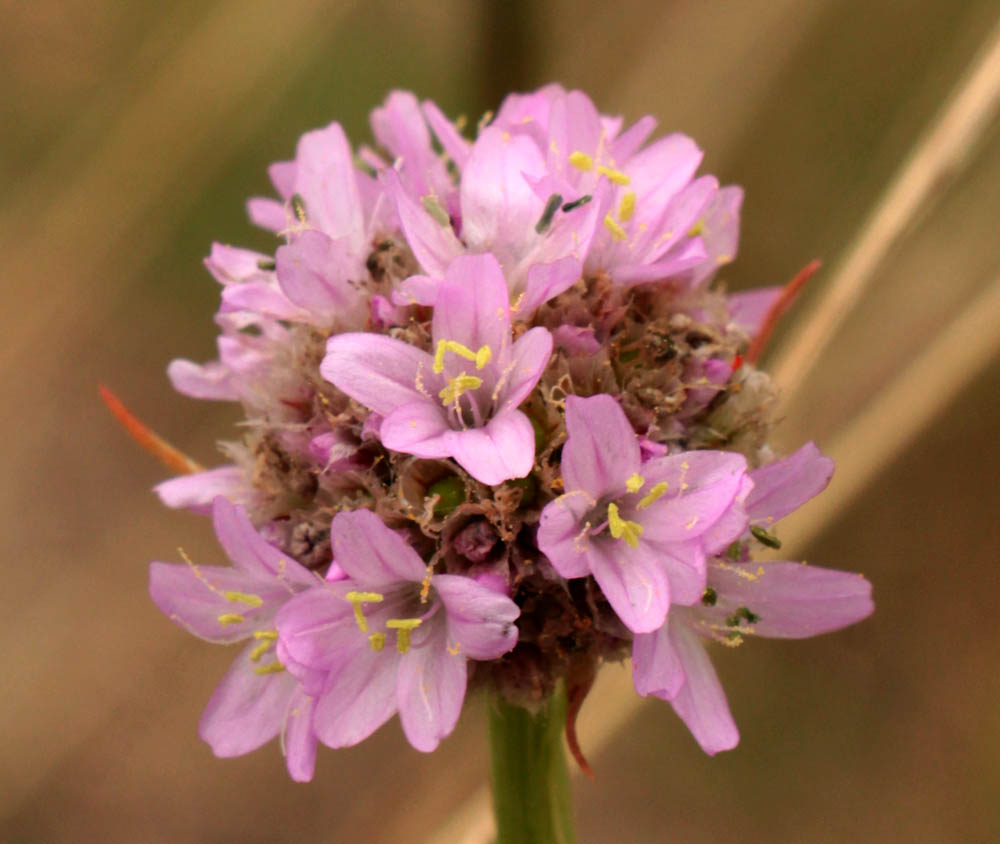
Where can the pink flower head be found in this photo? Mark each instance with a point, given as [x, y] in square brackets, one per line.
[460, 402]
[392, 637]
[638, 528]
[784, 600]
[257, 699]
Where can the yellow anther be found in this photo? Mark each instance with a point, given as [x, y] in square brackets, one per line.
[359, 598]
[623, 528]
[455, 649]
[377, 641]
[696, 229]
[480, 357]
[244, 598]
[627, 207]
[616, 176]
[403, 627]
[581, 161]
[230, 618]
[270, 668]
[457, 386]
[656, 492]
[260, 650]
[270, 635]
[635, 482]
[617, 232]
[425, 585]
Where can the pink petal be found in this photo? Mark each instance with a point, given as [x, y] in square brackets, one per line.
[433, 245]
[316, 271]
[195, 598]
[359, 698]
[318, 630]
[629, 141]
[633, 581]
[559, 533]
[213, 381]
[656, 665]
[545, 281]
[430, 690]
[480, 619]
[701, 702]
[684, 565]
[247, 709]
[793, 600]
[787, 484]
[528, 358]
[371, 553]
[232, 265]
[456, 147]
[504, 449]
[268, 214]
[298, 739]
[473, 306]
[262, 298]
[748, 308]
[251, 553]
[197, 491]
[380, 372]
[417, 428]
[601, 451]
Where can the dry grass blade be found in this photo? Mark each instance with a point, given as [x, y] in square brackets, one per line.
[949, 140]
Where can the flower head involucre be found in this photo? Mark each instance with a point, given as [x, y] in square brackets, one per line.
[498, 427]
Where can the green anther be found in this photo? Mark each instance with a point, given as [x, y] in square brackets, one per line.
[709, 597]
[457, 386]
[244, 598]
[696, 229]
[765, 538]
[742, 614]
[450, 492]
[433, 207]
[577, 203]
[298, 207]
[230, 618]
[266, 264]
[654, 493]
[377, 641]
[550, 211]
[270, 668]
[735, 551]
[622, 528]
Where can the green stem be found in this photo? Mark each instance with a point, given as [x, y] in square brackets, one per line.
[531, 792]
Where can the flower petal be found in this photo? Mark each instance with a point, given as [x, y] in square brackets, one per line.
[560, 533]
[430, 690]
[380, 372]
[528, 358]
[787, 484]
[318, 630]
[601, 451]
[298, 739]
[701, 702]
[504, 449]
[480, 619]
[246, 709]
[792, 600]
[656, 666]
[633, 581]
[198, 490]
[417, 428]
[473, 305]
[371, 553]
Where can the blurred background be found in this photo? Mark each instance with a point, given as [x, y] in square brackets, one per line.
[132, 134]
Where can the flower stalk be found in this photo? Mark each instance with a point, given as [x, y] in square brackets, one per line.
[532, 800]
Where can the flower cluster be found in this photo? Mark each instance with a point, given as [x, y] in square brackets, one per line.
[499, 430]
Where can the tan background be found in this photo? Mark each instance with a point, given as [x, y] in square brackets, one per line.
[132, 133]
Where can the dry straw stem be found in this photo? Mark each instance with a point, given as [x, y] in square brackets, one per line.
[921, 180]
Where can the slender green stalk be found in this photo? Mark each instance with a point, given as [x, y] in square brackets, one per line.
[531, 791]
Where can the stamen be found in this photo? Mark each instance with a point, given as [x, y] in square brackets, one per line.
[577, 203]
[482, 356]
[654, 493]
[581, 161]
[230, 618]
[623, 528]
[403, 627]
[266, 264]
[376, 641]
[764, 537]
[617, 232]
[627, 207]
[634, 482]
[359, 598]
[244, 598]
[616, 176]
[457, 386]
[270, 668]
[696, 229]
[298, 207]
[270, 635]
[260, 650]
[550, 211]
